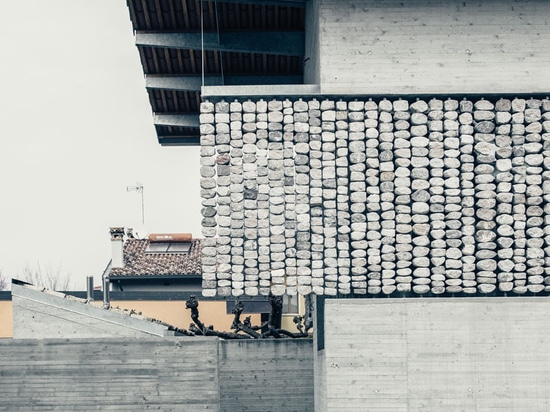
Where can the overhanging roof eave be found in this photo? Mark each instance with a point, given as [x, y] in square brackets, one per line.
[194, 276]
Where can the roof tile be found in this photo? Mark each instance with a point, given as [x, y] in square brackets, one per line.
[139, 263]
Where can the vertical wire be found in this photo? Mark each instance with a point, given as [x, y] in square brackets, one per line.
[202, 44]
[218, 32]
[142, 207]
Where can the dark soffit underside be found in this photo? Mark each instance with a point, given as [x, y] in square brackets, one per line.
[185, 44]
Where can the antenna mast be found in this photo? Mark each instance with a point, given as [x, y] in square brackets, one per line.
[138, 188]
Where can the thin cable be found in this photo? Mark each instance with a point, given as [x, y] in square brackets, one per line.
[202, 43]
[218, 30]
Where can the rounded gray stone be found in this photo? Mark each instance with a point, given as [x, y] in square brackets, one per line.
[421, 289]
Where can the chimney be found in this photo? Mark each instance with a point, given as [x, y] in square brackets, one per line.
[117, 235]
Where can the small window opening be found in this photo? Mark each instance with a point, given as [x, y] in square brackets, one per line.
[290, 304]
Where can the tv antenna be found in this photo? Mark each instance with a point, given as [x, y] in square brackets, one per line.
[138, 188]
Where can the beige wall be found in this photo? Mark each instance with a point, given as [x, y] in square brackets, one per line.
[175, 313]
[210, 313]
[288, 320]
[6, 319]
[434, 46]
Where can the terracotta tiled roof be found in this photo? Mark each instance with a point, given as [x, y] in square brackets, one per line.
[137, 262]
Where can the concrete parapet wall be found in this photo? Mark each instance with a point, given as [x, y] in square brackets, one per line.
[122, 374]
[170, 374]
[266, 375]
[376, 197]
[436, 355]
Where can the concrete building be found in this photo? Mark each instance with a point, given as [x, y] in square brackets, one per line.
[403, 155]
[397, 116]
[390, 158]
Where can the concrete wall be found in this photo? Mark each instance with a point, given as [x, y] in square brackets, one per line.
[109, 374]
[41, 314]
[274, 375]
[319, 361]
[312, 56]
[434, 46]
[376, 196]
[170, 374]
[437, 354]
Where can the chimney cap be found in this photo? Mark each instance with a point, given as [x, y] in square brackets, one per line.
[117, 233]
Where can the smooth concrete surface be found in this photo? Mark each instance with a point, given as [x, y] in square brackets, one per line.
[426, 46]
[439, 354]
[40, 314]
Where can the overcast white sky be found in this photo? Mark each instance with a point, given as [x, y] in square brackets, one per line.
[76, 129]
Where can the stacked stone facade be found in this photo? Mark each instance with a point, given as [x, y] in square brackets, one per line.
[376, 197]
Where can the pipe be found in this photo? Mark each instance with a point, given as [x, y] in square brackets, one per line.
[90, 288]
[106, 293]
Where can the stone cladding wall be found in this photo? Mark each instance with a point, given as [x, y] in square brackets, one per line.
[376, 197]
